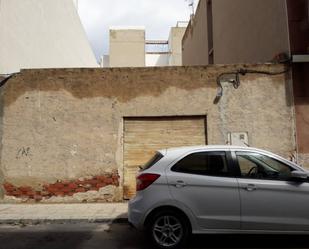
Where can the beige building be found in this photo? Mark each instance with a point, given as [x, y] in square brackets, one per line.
[129, 48]
[175, 45]
[78, 135]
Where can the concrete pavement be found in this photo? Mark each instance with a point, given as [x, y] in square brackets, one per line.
[63, 213]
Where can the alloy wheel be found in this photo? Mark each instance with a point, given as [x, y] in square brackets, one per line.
[167, 231]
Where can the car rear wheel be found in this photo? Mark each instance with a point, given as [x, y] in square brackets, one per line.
[168, 230]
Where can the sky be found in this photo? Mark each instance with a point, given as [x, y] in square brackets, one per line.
[157, 16]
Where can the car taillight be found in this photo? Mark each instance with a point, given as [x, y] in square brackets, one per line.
[145, 180]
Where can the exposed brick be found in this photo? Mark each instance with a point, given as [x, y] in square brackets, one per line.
[10, 189]
[62, 188]
[17, 193]
[109, 181]
[100, 178]
[93, 182]
[25, 189]
[66, 190]
[46, 193]
[30, 193]
[8, 185]
[80, 190]
[100, 185]
[72, 186]
[58, 185]
[52, 190]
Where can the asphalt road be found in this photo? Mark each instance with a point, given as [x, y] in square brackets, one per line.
[104, 236]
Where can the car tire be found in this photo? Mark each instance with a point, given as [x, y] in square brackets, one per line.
[168, 230]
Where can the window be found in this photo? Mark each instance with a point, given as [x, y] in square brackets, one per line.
[156, 158]
[258, 166]
[203, 163]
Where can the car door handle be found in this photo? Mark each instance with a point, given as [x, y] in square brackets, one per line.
[250, 187]
[180, 184]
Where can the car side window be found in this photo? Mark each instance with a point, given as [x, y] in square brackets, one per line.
[203, 163]
[259, 166]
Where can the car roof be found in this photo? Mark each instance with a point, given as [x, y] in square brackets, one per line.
[207, 147]
[178, 151]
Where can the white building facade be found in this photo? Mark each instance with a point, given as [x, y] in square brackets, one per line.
[42, 34]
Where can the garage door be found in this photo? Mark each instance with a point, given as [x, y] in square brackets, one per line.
[143, 136]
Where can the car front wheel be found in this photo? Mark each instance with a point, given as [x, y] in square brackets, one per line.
[168, 230]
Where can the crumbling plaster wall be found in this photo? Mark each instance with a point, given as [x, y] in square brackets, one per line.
[66, 125]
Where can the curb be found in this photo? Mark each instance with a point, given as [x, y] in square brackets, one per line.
[62, 221]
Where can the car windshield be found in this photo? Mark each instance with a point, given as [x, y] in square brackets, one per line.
[152, 161]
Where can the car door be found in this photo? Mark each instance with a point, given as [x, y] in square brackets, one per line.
[204, 183]
[270, 199]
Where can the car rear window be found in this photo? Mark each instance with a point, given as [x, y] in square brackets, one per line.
[156, 158]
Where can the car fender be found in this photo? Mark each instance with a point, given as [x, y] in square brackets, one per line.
[176, 204]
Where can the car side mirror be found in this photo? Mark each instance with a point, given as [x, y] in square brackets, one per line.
[299, 175]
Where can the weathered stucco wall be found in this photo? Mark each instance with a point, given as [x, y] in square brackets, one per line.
[62, 129]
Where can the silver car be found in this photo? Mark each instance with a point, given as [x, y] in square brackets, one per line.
[219, 189]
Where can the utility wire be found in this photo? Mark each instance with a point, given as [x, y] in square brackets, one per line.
[3, 81]
[236, 82]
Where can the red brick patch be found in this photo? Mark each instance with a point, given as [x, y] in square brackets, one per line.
[101, 185]
[25, 189]
[78, 190]
[72, 186]
[58, 185]
[62, 188]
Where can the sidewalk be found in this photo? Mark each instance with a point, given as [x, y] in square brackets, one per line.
[63, 213]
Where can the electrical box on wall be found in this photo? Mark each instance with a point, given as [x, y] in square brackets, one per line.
[238, 138]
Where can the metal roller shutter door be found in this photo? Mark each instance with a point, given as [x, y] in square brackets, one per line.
[143, 136]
